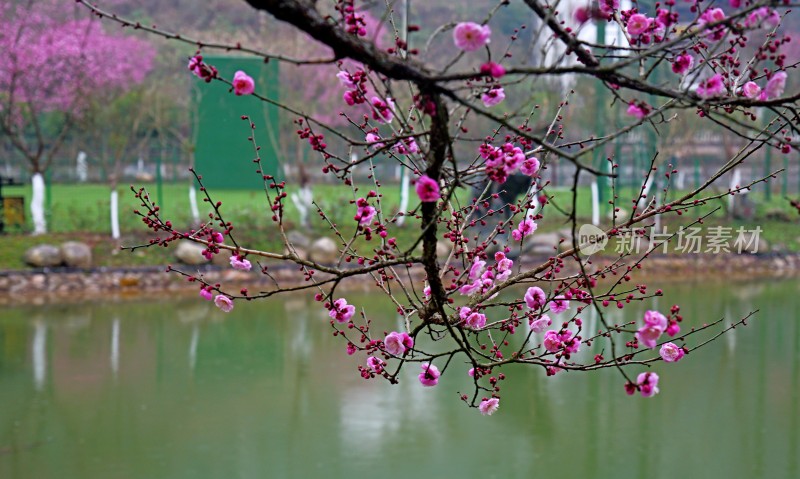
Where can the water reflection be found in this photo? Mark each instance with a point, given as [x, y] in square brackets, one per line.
[175, 389]
[39, 354]
[115, 346]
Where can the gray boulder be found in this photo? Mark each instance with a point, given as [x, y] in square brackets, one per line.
[298, 239]
[223, 258]
[542, 243]
[76, 254]
[190, 253]
[324, 250]
[43, 256]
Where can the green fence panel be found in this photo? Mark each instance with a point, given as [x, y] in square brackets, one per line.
[224, 156]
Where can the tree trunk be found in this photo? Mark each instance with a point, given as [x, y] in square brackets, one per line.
[114, 213]
[404, 187]
[37, 204]
[193, 205]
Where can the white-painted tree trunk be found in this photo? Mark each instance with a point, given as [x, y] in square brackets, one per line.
[303, 200]
[404, 186]
[533, 194]
[595, 204]
[82, 168]
[114, 214]
[643, 200]
[193, 205]
[37, 204]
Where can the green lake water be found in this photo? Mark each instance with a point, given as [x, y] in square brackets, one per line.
[177, 389]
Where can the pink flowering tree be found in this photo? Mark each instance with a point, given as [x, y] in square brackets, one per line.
[459, 123]
[55, 61]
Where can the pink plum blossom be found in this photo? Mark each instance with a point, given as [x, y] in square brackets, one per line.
[427, 189]
[217, 237]
[555, 341]
[638, 24]
[582, 14]
[470, 36]
[539, 325]
[535, 297]
[341, 311]
[376, 364]
[224, 303]
[430, 375]
[671, 353]
[397, 344]
[243, 84]
[364, 212]
[571, 342]
[648, 384]
[471, 288]
[638, 110]
[648, 335]
[374, 140]
[346, 80]
[493, 69]
[559, 304]
[673, 328]
[477, 269]
[476, 320]
[206, 294]
[711, 87]
[552, 341]
[241, 263]
[201, 70]
[406, 146]
[493, 97]
[775, 86]
[351, 97]
[654, 318]
[713, 15]
[487, 407]
[526, 227]
[504, 266]
[682, 63]
[530, 166]
[654, 325]
[763, 17]
[383, 110]
[751, 89]
[477, 279]
[608, 7]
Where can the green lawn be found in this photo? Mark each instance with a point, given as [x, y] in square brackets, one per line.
[82, 210]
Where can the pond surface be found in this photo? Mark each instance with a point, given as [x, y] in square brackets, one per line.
[157, 389]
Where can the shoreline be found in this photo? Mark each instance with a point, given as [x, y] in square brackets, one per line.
[47, 285]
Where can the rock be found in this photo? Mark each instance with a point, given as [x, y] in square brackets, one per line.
[743, 207]
[298, 239]
[748, 242]
[542, 243]
[222, 259]
[443, 249]
[190, 253]
[76, 254]
[43, 256]
[300, 252]
[324, 250]
[778, 215]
